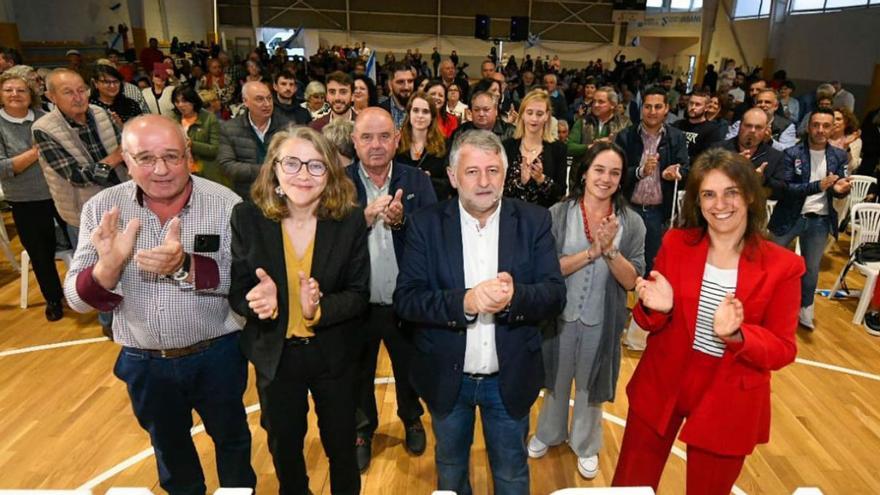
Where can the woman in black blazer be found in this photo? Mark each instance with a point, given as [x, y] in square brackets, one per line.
[301, 276]
[536, 169]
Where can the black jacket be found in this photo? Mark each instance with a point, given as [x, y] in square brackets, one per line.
[555, 169]
[672, 150]
[340, 264]
[294, 112]
[242, 153]
[774, 178]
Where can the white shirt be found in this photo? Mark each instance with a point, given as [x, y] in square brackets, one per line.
[17, 120]
[260, 134]
[817, 203]
[738, 94]
[479, 246]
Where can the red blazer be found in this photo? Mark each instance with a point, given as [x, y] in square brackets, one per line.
[734, 414]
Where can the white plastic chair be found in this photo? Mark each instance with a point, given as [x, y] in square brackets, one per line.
[866, 228]
[771, 205]
[676, 208]
[860, 186]
[5, 244]
[66, 256]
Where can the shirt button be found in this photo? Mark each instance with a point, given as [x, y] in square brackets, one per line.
[485, 344]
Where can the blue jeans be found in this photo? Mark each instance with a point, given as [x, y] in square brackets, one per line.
[812, 233]
[164, 392]
[505, 438]
[654, 219]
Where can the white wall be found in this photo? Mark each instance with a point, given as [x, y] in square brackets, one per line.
[82, 21]
[189, 20]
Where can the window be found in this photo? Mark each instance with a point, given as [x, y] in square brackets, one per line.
[745, 9]
[655, 6]
[818, 6]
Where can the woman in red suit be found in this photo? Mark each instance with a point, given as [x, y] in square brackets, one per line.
[721, 310]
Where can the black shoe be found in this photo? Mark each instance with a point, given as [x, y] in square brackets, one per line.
[364, 451]
[872, 323]
[54, 311]
[415, 438]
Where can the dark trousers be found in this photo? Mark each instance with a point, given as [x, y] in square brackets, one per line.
[164, 393]
[383, 324]
[654, 220]
[35, 222]
[284, 404]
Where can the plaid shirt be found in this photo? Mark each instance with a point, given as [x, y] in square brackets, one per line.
[151, 311]
[648, 191]
[79, 174]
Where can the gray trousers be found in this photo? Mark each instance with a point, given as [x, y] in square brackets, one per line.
[578, 346]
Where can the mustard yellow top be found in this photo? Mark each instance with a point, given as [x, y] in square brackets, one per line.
[297, 325]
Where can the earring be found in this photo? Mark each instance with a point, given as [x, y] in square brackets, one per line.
[280, 192]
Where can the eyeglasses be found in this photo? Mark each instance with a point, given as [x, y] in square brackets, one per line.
[109, 82]
[291, 165]
[171, 159]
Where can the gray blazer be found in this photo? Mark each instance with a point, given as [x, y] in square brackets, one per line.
[602, 379]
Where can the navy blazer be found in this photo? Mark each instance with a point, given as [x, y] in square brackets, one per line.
[430, 294]
[773, 174]
[418, 192]
[796, 174]
[672, 150]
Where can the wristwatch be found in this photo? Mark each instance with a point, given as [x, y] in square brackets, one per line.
[182, 273]
[611, 254]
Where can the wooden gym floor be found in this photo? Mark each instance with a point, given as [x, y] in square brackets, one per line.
[66, 422]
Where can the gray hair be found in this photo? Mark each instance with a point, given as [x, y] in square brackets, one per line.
[825, 90]
[315, 87]
[611, 93]
[339, 132]
[50, 79]
[480, 139]
[562, 123]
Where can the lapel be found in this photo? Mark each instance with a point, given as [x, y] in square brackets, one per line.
[692, 277]
[274, 262]
[508, 222]
[452, 238]
[750, 273]
[326, 233]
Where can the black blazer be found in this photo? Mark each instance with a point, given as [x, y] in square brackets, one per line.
[340, 264]
[430, 294]
[553, 157]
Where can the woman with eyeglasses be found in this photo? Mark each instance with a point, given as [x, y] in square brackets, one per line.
[107, 93]
[301, 276]
[454, 105]
[25, 188]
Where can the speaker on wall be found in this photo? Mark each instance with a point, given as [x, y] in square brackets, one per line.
[519, 28]
[481, 27]
[630, 4]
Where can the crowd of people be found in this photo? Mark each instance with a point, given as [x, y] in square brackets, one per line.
[296, 214]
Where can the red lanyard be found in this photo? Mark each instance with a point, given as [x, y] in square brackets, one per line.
[586, 222]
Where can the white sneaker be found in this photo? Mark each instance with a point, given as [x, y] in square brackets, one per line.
[805, 317]
[537, 448]
[588, 466]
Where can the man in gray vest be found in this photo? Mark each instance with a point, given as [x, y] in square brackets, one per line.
[79, 152]
[79, 147]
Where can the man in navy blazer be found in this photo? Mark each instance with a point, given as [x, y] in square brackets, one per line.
[814, 174]
[389, 192]
[479, 274]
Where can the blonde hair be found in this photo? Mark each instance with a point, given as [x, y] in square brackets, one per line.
[9, 75]
[208, 96]
[534, 95]
[338, 198]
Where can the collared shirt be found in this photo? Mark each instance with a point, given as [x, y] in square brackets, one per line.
[479, 247]
[397, 113]
[81, 174]
[817, 203]
[152, 311]
[383, 263]
[648, 191]
[260, 133]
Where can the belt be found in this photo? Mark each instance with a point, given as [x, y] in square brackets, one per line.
[813, 215]
[646, 207]
[480, 376]
[298, 341]
[183, 351]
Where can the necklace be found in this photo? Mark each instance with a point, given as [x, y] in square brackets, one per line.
[587, 222]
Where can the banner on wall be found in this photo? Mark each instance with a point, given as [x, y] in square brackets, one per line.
[669, 24]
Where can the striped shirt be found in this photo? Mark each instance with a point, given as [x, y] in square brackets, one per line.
[717, 283]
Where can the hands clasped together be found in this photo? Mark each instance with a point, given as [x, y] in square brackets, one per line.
[387, 208]
[490, 296]
[263, 298]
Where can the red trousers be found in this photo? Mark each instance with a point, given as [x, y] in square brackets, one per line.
[643, 452]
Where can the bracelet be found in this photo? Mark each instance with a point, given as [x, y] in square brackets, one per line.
[611, 254]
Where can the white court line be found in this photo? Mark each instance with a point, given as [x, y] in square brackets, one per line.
[840, 369]
[57, 345]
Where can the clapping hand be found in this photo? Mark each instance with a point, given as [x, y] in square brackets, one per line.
[827, 181]
[607, 231]
[536, 170]
[655, 293]
[393, 213]
[842, 186]
[113, 247]
[672, 172]
[728, 316]
[760, 170]
[309, 296]
[651, 162]
[263, 297]
[490, 296]
[374, 209]
[165, 258]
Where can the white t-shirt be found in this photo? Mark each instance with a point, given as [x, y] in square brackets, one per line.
[816, 203]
